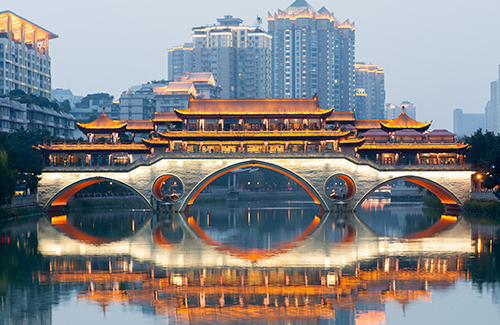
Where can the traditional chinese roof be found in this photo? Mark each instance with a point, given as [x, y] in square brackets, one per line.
[404, 122]
[419, 147]
[253, 108]
[102, 123]
[408, 133]
[441, 133]
[138, 126]
[341, 117]
[94, 147]
[375, 133]
[186, 87]
[249, 135]
[369, 124]
[166, 117]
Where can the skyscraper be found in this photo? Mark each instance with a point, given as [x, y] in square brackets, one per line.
[237, 56]
[493, 106]
[370, 81]
[313, 53]
[179, 60]
[467, 123]
[24, 56]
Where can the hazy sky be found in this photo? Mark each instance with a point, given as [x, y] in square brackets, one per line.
[438, 54]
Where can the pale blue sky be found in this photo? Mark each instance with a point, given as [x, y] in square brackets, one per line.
[438, 54]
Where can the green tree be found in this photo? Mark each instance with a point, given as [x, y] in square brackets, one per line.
[7, 179]
[65, 106]
[23, 158]
[106, 98]
[484, 155]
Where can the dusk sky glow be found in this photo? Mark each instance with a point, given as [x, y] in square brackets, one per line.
[440, 55]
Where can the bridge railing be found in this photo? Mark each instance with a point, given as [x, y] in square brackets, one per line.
[260, 155]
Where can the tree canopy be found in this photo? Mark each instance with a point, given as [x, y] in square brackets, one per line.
[24, 98]
[484, 155]
[106, 98]
[23, 161]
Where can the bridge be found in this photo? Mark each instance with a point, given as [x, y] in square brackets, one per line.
[450, 183]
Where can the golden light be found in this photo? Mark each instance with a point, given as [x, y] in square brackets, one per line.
[58, 220]
[479, 176]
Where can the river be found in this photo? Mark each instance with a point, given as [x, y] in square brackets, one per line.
[258, 262]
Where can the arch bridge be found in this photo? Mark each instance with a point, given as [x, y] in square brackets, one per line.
[451, 184]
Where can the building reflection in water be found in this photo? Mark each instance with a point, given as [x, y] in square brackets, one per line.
[335, 268]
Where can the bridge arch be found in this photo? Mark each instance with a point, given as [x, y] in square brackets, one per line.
[349, 183]
[61, 198]
[313, 192]
[445, 196]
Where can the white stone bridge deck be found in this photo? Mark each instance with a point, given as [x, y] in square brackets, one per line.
[451, 183]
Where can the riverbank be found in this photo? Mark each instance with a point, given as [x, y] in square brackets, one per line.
[11, 214]
[482, 211]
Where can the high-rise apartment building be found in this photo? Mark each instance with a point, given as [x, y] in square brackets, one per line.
[370, 82]
[179, 60]
[313, 53]
[493, 107]
[237, 56]
[24, 56]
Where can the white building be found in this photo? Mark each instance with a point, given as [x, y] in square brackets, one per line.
[24, 56]
[15, 115]
[141, 102]
[237, 56]
[392, 111]
[179, 60]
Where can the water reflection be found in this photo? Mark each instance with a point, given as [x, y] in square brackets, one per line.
[273, 263]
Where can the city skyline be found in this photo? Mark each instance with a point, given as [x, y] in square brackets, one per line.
[431, 56]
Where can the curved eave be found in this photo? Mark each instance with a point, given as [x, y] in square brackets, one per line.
[428, 147]
[139, 130]
[93, 148]
[264, 135]
[85, 128]
[186, 114]
[352, 142]
[389, 127]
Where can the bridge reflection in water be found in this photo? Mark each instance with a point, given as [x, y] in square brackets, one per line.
[334, 267]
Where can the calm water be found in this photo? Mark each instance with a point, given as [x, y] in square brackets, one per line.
[247, 263]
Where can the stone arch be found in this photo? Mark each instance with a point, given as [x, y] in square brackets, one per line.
[313, 192]
[61, 198]
[445, 195]
[351, 187]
